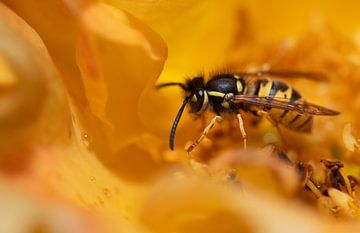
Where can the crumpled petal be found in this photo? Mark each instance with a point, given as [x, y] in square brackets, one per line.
[118, 56]
[32, 101]
[197, 205]
[57, 23]
[57, 163]
[27, 214]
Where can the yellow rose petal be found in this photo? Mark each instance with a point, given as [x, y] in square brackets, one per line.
[57, 23]
[118, 56]
[8, 79]
[29, 214]
[32, 110]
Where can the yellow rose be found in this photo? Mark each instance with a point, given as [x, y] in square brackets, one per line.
[84, 132]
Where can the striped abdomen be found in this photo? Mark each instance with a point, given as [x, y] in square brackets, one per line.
[289, 119]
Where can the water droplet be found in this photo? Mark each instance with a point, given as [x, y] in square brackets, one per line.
[106, 192]
[93, 179]
[101, 201]
[86, 139]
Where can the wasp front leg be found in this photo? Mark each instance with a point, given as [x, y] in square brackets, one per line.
[242, 129]
[204, 133]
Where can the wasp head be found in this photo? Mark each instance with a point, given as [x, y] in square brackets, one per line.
[195, 94]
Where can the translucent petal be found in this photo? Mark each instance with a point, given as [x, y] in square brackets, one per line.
[32, 101]
[51, 19]
[29, 215]
[118, 57]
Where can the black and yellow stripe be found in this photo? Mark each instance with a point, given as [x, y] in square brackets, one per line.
[278, 89]
[224, 85]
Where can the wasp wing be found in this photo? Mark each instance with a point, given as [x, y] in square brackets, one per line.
[299, 106]
[316, 76]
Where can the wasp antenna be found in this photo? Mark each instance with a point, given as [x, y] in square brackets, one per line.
[176, 122]
[172, 84]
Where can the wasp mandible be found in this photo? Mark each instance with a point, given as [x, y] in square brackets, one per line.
[255, 93]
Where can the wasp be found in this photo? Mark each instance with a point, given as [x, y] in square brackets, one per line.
[256, 93]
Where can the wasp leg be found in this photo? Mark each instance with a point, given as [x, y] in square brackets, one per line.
[242, 129]
[204, 133]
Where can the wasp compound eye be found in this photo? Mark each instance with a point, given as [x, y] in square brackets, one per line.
[197, 101]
